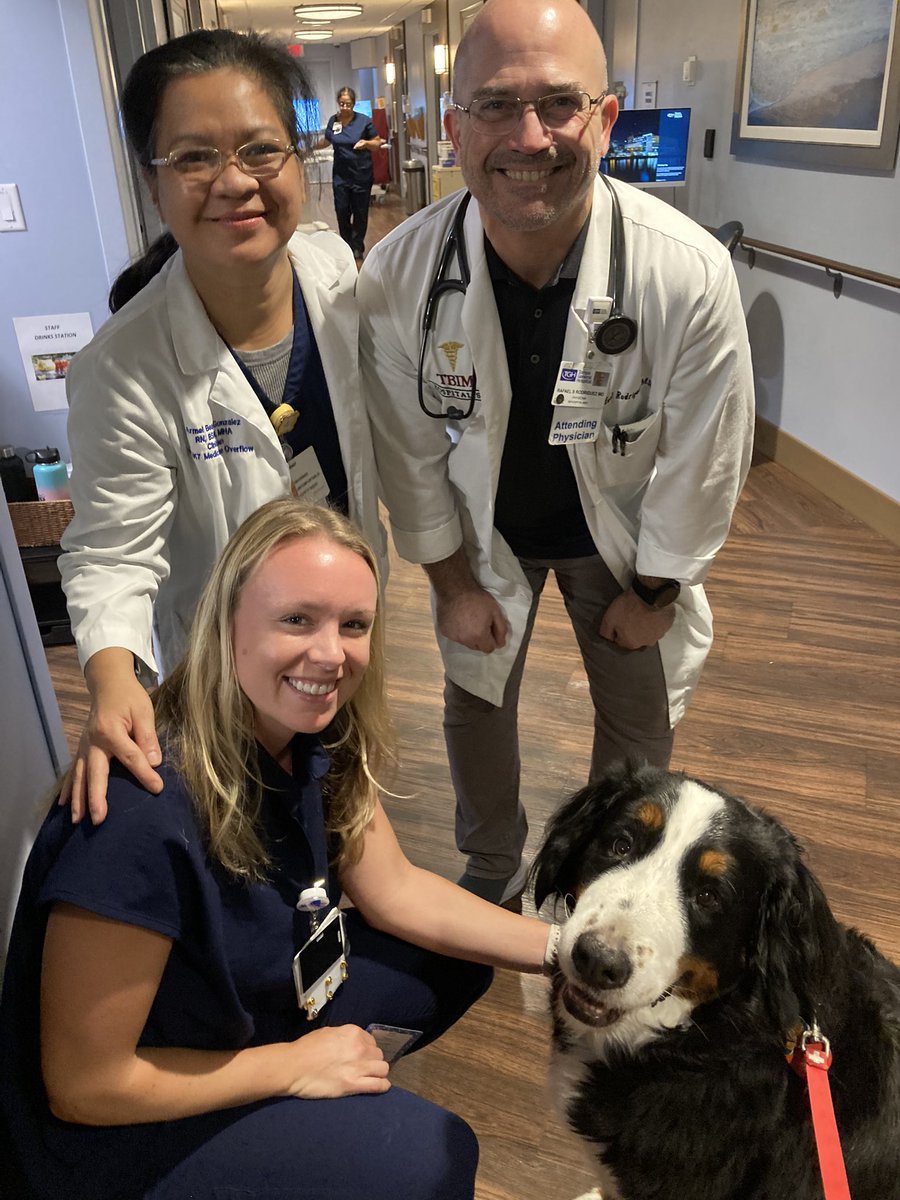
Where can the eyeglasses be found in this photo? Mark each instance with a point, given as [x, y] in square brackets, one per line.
[501, 114]
[203, 164]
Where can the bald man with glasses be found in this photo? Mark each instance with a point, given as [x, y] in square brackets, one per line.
[580, 402]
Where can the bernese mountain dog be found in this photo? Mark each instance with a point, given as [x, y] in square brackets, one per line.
[697, 947]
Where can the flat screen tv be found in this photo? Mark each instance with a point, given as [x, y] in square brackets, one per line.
[648, 147]
[309, 117]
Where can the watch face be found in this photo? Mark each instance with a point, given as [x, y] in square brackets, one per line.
[666, 594]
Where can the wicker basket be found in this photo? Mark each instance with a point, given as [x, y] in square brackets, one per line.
[40, 522]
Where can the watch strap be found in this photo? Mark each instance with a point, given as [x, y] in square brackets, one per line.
[657, 597]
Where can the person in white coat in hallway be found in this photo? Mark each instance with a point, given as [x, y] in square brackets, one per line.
[226, 378]
[558, 379]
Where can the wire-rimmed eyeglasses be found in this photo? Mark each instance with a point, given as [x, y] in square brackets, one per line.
[203, 164]
[501, 114]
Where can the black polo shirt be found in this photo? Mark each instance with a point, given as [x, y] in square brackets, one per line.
[537, 509]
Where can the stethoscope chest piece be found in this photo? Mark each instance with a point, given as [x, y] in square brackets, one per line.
[617, 334]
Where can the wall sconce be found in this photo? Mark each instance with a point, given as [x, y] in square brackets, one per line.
[390, 73]
[441, 58]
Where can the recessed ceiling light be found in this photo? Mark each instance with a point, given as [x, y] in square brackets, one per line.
[313, 35]
[327, 12]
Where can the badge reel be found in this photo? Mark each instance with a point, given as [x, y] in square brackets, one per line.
[582, 388]
[320, 965]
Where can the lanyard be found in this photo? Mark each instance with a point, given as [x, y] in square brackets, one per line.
[302, 802]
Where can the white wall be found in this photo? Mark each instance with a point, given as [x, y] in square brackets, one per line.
[827, 370]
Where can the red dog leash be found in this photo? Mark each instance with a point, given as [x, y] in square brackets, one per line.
[811, 1058]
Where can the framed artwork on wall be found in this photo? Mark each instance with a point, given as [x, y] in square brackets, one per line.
[819, 86]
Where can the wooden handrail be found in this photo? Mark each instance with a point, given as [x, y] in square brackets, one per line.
[834, 269]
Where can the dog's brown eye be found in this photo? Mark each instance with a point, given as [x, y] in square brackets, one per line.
[707, 898]
[621, 846]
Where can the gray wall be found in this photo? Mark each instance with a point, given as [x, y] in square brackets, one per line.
[32, 744]
[826, 370]
[56, 147]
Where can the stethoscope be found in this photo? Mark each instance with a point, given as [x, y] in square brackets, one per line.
[440, 285]
[616, 334]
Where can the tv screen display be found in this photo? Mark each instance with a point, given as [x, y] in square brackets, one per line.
[363, 106]
[309, 117]
[648, 147]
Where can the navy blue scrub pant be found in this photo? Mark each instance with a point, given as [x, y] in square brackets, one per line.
[351, 206]
[393, 1146]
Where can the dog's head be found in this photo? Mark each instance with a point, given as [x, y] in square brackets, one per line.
[679, 894]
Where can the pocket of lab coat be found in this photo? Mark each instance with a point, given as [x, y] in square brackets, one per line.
[626, 453]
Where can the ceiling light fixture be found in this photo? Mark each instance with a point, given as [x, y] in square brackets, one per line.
[313, 35]
[327, 12]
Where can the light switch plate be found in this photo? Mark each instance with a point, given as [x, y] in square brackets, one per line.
[11, 215]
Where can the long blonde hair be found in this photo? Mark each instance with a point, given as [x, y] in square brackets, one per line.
[208, 722]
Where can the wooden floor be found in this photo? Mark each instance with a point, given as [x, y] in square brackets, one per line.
[798, 710]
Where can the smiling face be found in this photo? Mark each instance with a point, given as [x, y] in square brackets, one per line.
[236, 221]
[532, 177]
[301, 636]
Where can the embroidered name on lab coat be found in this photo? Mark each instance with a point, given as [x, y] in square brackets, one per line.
[216, 438]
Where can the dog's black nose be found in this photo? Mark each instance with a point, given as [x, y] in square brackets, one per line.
[598, 964]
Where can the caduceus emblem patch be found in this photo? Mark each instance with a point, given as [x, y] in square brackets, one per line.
[451, 350]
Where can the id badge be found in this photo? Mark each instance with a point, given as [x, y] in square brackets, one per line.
[336, 127]
[582, 385]
[393, 1040]
[308, 481]
[320, 965]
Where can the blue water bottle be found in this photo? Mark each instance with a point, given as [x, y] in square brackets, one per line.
[51, 478]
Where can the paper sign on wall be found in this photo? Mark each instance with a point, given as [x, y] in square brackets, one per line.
[47, 345]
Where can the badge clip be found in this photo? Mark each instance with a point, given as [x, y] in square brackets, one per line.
[283, 419]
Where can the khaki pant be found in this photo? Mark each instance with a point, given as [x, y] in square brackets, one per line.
[631, 717]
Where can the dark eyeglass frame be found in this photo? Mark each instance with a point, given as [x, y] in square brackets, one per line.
[507, 125]
[209, 173]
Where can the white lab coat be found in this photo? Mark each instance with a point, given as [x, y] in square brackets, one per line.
[683, 394]
[172, 450]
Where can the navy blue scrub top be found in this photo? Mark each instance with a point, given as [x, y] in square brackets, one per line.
[306, 390]
[352, 166]
[228, 982]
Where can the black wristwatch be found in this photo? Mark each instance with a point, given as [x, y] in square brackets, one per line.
[656, 597]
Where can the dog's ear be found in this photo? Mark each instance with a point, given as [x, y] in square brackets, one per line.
[572, 829]
[797, 944]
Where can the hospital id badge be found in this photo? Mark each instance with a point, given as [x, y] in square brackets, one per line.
[320, 965]
[308, 480]
[582, 385]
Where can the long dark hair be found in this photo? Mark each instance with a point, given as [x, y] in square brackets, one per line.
[278, 73]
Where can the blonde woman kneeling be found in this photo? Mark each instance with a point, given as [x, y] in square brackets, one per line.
[155, 1041]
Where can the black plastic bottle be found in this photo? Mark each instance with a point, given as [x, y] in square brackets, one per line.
[12, 474]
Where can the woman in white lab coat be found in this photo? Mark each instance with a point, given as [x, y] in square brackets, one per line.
[226, 380]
